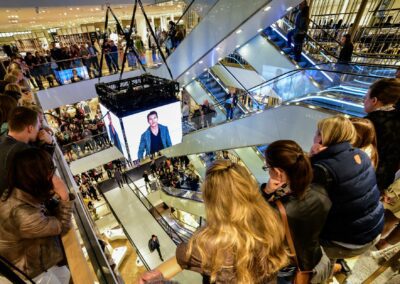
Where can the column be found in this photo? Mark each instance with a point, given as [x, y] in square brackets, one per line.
[357, 21]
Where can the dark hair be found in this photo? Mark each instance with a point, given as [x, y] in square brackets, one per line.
[386, 90]
[13, 94]
[347, 38]
[21, 117]
[7, 104]
[37, 182]
[151, 113]
[288, 156]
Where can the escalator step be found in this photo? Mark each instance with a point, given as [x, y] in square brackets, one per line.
[287, 50]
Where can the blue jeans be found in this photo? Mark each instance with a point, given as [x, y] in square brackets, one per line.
[289, 36]
[229, 113]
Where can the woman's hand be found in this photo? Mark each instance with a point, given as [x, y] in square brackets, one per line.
[152, 275]
[316, 148]
[60, 188]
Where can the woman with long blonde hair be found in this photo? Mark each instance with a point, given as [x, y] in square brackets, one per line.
[243, 241]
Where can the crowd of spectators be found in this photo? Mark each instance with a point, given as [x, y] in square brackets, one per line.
[176, 172]
[40, 66]
[79, 129]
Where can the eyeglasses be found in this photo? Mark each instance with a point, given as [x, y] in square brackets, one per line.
[266, 168]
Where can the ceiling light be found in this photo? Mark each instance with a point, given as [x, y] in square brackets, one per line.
[205, 69]
[220, 58]
[70, 9]
[187, 73]
[201, 62]
[267, 8]
[238, 31]
[78, 8]
[218, 48]
[259, 30]
[289, 8]
[193, 78]
[237, 46]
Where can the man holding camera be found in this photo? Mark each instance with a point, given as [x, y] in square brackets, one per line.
[24, 131]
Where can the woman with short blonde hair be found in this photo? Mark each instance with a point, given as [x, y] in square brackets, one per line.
[336, 129]
[243, 241]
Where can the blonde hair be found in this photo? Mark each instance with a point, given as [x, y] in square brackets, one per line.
[10, 78]
[13, 87]
[365, 137]
[335, 130]
[15, 72]
[239, 224]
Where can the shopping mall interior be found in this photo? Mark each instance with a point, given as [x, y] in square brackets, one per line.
[153, 141]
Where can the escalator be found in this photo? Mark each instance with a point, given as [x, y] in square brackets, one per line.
[309, 86]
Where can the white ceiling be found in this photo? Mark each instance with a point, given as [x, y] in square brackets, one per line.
[44, 17]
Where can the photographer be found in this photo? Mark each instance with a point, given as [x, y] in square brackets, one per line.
[24, 131]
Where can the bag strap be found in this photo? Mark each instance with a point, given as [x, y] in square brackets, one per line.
[288, 234]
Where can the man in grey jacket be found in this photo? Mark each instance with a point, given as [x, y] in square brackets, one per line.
[155, 138]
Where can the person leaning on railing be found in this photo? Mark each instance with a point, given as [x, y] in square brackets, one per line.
[33, 214]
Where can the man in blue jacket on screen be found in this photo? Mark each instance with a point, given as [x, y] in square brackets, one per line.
[155, 138]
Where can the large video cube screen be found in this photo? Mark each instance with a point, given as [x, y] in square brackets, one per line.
[152, 130]
[114, 130]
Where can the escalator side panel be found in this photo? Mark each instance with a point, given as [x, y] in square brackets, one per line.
[287, 122]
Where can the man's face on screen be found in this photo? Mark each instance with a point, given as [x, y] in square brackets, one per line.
[153, 120]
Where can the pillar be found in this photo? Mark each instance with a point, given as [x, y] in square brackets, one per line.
[357, 20]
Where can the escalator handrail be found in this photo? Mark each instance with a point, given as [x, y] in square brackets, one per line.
[240, 83]
[295, 71]
[310, 38]
[224, 87]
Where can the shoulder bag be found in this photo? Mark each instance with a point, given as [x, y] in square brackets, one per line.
[300, 277]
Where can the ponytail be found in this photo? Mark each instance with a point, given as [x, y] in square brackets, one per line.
[288, 156]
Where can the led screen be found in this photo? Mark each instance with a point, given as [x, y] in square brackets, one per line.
[153, 130]
[64, 76]
[114, 130]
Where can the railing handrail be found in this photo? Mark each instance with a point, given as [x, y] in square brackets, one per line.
[165, 190]
[85, 139]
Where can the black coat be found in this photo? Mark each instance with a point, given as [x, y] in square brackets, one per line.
[306, 218]
[387, 128]
[345, 53]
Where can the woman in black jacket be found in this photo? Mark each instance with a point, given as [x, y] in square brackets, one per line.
[347, 49]
[306, 204]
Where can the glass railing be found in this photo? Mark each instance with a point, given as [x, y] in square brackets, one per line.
[85, 147]
[85, 220]
[352, 80]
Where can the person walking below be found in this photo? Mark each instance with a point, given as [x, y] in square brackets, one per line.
[118, 178]
[154, 244]
[146, 180]
[230, 103]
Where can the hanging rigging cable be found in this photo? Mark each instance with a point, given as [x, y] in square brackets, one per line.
[103, 44]
[155, 38]
[130, 44]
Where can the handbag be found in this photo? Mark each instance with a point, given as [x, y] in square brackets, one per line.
[300, 277]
